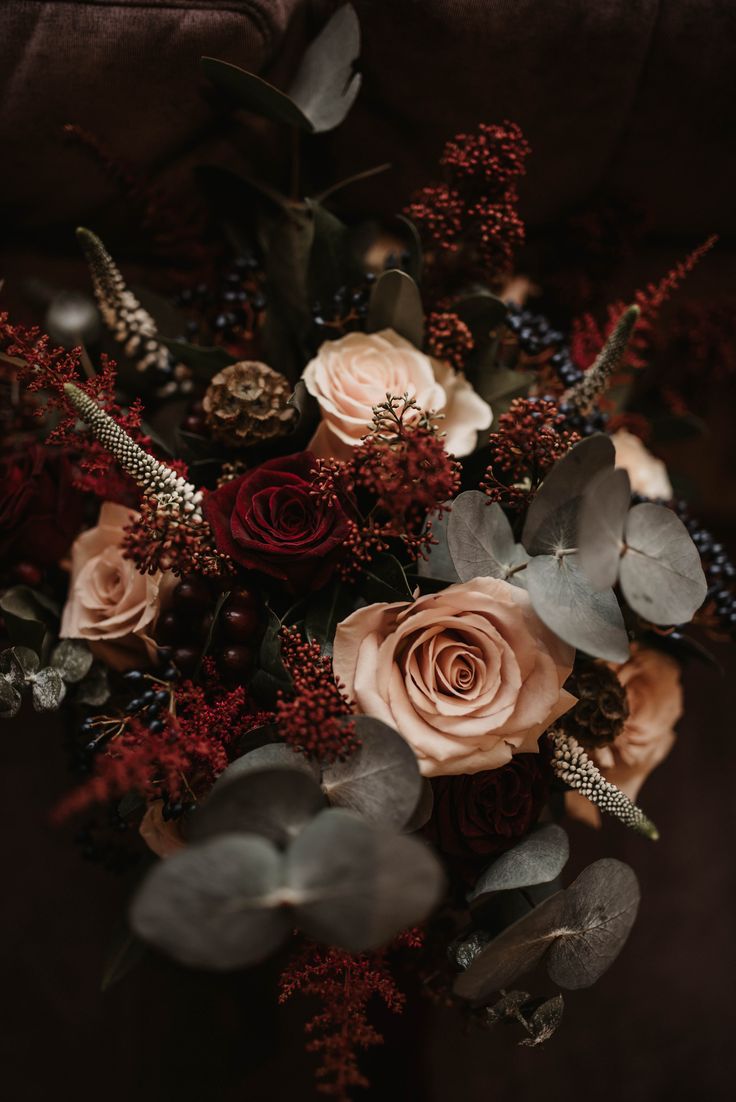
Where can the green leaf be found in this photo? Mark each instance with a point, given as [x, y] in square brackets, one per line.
[385, 580]
[28, 615]
[538, 859]
[10, 698]
[72, 658]
[325, 85]
[563, 598]
[600, 537]
[47, 689]
[481, 541]
[380, 781]
[94, 689]
[661, 573]
[18, 664]
[255, 94]
[482, 312]
[275, 802]
[396, 304]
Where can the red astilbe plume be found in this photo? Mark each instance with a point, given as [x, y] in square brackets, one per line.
[472, 218]
[313, 720]
[156, 540]
[406, 474]
[345, 984]
[588, 336]
[530, 437]
[449, 339]
[41, 367]
[179, 762]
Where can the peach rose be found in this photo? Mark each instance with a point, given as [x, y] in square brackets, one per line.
[350, 376]
[468, 676]
[648, 474]
[654, 695]
[110, 603]
[160, 835]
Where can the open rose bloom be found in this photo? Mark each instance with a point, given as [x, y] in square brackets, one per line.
[110, 603]
[468, 676]
[350, 376]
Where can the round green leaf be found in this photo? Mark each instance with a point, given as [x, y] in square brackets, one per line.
[47, 689]
[661, 574]
[217, 905]
[275, 803]
[480, 539]
[325, 85]
[563, 598]
[10, 699]
[600, 541]
[18, 664]
[397, 304]
[539, 858]
[380, 780]
[561, 491]
[356, 886]
[515, 951]
[600, 909]
[72, 658]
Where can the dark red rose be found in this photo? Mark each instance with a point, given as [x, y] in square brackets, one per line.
[40, 509]
[268, 520]
[479, 815]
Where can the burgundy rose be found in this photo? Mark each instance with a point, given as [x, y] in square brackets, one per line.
[477, 816]
[40, 509]
[268, 520]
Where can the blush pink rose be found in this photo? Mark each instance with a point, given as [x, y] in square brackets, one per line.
[654, 695]
[468, 676]
[350, 376]
[648, 475]
[110, 604]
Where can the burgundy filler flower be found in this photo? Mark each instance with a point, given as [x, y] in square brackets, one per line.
[478, 816]
[40, 509]
[269, 520]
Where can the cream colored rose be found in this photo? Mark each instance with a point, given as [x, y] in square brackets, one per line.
[110, 603]
[654, 696]
[468, 676]
[648, 475]
[350, 376]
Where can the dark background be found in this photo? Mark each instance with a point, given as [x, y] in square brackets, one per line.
[629, 106]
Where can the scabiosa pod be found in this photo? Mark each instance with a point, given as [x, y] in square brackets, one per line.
[571, 764]
[173, 493]
[130, 324]
[598, 376]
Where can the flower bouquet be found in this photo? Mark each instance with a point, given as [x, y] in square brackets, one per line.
[352, 580]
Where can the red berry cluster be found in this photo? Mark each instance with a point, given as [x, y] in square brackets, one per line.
[313, 719]
[188, 621]
[530, 437]
[156, 540]
[473, 213]
[449, 339]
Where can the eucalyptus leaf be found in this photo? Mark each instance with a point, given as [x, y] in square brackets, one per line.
[422, 813]
[515, 951]
[539, 858]
[385, 580]
[544, 1022]
[380, 781]
[438, 563]
[18, 664]
[561, 492]
[600, 537]
[482, 312]
[47, 689]
[356, 886]
[274, 802]
[72, 658]
[480, 539]
[10, 699]
[28, 615]
[661, 574]
[563, 598]
[500, 385]
[600, 909]
[215, 905]
[271, 755]
[325, 85]
[396, 304]
[254, 94]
